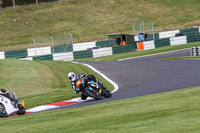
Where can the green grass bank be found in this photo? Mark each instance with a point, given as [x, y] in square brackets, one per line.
[41, 82]
[91, 20]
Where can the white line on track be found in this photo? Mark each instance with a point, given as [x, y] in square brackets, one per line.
[116, 87]
[152, 54]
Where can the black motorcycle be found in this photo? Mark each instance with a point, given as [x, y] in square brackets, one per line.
[95, 89]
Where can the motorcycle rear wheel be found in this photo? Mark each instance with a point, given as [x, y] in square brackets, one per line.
[3, 112]
[93, 94]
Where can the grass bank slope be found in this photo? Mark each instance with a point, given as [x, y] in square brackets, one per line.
[41, 82]
[175, 111]
[91, 20]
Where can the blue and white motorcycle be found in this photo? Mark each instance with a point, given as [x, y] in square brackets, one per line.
[11, 105]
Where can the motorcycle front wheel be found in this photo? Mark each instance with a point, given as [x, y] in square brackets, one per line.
[93, 94]
[3, 112]
[107, 93]
[22, 110]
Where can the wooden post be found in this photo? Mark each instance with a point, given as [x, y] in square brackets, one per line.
[36, 2]
[14, 4]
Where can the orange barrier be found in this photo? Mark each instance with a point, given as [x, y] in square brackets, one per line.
[141, 45]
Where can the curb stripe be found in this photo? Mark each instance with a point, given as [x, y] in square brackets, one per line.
[62, 103]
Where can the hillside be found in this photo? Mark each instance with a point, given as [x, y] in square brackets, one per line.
[91, 20]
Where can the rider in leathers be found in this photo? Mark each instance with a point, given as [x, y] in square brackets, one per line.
[77, 82]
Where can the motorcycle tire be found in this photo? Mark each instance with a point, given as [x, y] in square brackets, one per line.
[107, 93]
[93, 94]
[22, 110]
[3, 112]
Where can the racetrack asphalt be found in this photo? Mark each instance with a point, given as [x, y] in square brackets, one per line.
[145, 75]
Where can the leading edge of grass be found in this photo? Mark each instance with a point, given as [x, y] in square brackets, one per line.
[174, 111]
[116, 57]
[41, 82]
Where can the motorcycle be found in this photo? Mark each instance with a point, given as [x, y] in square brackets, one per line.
[10, 106]
[95, 89]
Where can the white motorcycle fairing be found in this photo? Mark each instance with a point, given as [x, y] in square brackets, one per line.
[9, 105]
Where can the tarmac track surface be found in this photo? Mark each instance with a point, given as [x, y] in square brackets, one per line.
[145, 75]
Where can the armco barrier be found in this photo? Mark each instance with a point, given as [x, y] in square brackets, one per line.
[168, 34]
[197, 37]
[123, 49]
[39, 51]
[178, 40]
[44, 57]
[102, 43]
[83, 54]
[149, 45]
[102, 52]
[191, 38]
[61, 48]
[2, 55]
[192, 35]
[83, 46]
[190, 31]
[16, 53]
[150, 37]
[63, 56]
[162, 42]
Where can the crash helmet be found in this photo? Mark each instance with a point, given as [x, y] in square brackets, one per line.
[3, 91]
[72, 76]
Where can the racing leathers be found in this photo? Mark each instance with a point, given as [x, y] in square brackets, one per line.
[77, 84]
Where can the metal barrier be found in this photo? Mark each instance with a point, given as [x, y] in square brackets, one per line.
[53, 44]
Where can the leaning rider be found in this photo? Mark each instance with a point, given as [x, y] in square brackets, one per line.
[77, 80]
[6, 94]
[74, 78]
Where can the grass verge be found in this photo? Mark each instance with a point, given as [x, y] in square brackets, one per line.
[41, 82]
[175, 111]
[91, 20]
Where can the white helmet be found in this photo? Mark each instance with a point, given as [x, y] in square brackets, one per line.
[72, 76]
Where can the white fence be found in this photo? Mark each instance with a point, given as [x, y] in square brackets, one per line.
[2, 55]
[63, 56]
[178, 40]
[136, 38]
[39, 51]
[168, 34]
[102, 52]
[149, 45]
[83, 46]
